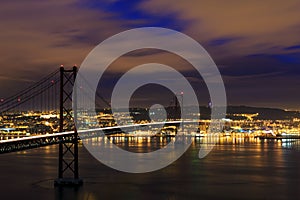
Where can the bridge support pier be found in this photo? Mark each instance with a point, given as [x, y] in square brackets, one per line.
[68, 174]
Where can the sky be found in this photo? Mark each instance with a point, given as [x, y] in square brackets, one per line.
[255, 44]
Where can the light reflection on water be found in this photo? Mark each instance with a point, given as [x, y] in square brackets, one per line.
[237, 168]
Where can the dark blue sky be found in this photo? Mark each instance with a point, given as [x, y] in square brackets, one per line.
[256, 45]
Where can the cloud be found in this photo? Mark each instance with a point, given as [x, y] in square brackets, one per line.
[37, 36]
[261, 24]
[52, 24]
[250, 41]
[294, 47]
[221, 41]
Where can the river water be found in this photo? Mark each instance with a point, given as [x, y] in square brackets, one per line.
[235, 169]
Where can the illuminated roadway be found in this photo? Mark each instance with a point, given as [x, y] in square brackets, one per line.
[19, 144]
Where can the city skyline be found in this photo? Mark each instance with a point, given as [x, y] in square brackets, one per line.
[255, 45]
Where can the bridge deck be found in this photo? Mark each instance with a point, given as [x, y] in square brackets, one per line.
[19, 144]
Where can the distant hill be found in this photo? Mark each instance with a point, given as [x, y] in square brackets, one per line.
[232, 113]
[263, 113]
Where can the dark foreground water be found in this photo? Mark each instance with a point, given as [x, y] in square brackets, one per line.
[235, 169]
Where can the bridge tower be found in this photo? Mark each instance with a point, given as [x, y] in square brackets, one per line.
[68, 174]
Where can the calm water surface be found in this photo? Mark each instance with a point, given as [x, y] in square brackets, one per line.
[235, 169]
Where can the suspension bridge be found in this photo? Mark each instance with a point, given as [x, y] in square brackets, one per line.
[42, 115]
